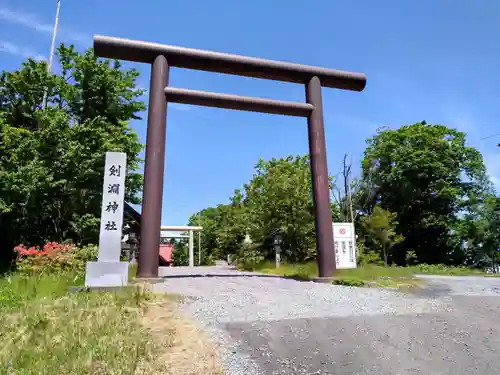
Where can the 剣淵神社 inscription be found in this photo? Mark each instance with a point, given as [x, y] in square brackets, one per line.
[108, 270]
[112, 207]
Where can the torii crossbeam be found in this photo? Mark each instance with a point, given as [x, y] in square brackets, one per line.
[162, 57]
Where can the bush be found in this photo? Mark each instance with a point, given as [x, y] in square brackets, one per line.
[180, 254]
[300, 275]
[85, 254]
[349, 282]
[366, 256]
[411, 258]
[53, 258]
[248, 257]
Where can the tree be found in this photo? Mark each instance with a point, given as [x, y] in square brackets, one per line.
[52, 163]
[491, 222]
[343, 195]
[278, 199]
[428, 176]
[208, 220]
[478, 234]
[351, 196]
[223, 229]
[380, 227]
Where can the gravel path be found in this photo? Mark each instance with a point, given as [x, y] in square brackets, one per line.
[271, 325]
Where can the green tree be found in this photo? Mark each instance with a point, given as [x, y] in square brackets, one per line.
[380, 228]
[180, 255]
[428, 176]
[492, 233]
[208, 220]
[478, 234]
[278, 199]
[223, 229]
[52, 162]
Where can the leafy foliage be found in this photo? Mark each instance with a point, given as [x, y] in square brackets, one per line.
[223, 229]
[278, 199]
[51, 163]
[366, 255]
[349, 282]
[53, 258]
[248, 256]
[180, 255]
[380, 228]
[423, 198]
[428, 176]
[477, 235]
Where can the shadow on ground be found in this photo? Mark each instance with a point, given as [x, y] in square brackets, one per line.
[232, 275]
[460, 342]
[427, 290]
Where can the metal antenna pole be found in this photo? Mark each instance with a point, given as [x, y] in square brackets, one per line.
[51, 56]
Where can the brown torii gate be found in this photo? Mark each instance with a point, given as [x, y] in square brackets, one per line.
[162, 57]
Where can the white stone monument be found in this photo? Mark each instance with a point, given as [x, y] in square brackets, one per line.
[108, 271]
[344, 240]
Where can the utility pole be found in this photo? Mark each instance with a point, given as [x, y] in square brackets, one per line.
[51, 56]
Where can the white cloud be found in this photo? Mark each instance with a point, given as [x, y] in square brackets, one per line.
[14, 49]
[32, 22]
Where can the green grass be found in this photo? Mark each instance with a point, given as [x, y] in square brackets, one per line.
[132, 271]
[17, 290]
[441, 269]
[369, 275]
[46, 330]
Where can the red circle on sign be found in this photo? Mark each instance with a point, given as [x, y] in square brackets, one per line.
[342, 231]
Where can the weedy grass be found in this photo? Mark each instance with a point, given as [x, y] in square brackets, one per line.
[45, 330]
[367, 275]
[442, 269]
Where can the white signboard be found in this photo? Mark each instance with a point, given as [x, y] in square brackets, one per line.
[112, 207]
[344, 240]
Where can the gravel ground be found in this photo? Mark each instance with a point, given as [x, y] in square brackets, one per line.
[270, 325]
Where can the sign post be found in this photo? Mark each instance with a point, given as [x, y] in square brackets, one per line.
[108, 271]
[344, 240]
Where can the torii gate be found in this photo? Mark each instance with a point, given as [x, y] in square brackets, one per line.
[185, 228]
[162, 57]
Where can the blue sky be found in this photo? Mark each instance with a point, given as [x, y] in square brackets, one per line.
[427, 60]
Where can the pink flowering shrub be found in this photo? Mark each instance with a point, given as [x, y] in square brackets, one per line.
[53, 257]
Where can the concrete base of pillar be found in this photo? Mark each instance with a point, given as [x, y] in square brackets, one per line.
[106, 274]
